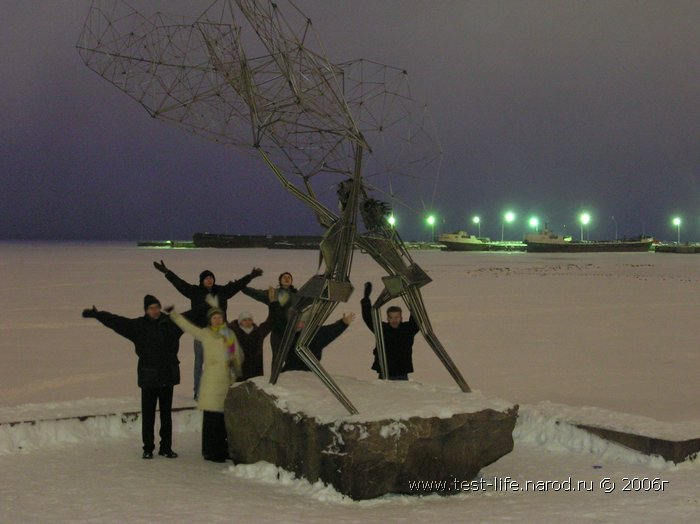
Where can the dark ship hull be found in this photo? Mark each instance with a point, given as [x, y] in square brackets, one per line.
[638, 246]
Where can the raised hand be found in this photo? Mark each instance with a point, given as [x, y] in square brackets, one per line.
[90, 313]
[368, 289]
[212, 300]
[256, 272]
[160, 267]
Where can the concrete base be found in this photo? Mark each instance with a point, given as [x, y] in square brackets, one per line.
[671, 450]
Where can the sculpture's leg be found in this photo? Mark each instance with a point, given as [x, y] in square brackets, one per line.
[414, 301]
[383, 298]
[321, 310]
[280, 357]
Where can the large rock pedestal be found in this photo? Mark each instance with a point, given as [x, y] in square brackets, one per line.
[405, 432]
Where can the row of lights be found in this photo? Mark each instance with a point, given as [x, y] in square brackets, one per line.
[509, 217]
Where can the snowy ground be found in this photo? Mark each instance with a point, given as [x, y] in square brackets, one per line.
[606, 338]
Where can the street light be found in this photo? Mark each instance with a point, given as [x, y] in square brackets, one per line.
[585, 218]
[534, 223]
[677, 223]
[508, 217]
[391, 220]
[477, 221]
[431, 222]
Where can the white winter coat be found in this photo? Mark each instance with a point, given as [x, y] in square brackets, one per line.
[216, 376]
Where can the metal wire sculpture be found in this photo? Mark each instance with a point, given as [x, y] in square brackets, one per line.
[250, 74]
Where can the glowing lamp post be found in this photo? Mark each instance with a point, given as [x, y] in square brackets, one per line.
[677, 223]
[534, 223]
[508, 217]
[431, 222]
[477, 221]
[391, 220]
[585, 219]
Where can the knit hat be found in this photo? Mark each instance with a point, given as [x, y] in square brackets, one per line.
[215, 311]
[149, 300]
[245, 314]
[204, 274]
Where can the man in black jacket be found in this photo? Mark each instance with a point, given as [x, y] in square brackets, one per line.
[398, 338]
[156, 341]
[199, 306]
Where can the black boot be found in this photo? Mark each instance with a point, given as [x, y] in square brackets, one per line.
[147, 455]
[169, 453]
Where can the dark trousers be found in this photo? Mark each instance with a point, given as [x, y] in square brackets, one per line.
[150, 397]
[214, 437]
[198, 366]
[402, 376]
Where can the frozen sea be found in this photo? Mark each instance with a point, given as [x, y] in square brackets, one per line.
[603, 338]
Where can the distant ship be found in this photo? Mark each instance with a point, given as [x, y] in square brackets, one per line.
[548, 242]
[461, 241]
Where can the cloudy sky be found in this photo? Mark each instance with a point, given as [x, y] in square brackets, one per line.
[543, 107]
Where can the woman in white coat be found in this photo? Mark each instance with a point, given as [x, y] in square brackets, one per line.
[223, 358]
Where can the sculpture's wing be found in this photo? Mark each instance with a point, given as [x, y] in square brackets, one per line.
[165, 64]
[248, 75]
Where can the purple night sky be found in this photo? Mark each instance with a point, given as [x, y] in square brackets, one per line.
[544, 107]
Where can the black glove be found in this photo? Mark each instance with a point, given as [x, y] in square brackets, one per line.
[169, 309]
[90, 313]
[160, 267]
[256, 272]
[368, 289]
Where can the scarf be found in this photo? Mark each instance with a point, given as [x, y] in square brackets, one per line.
[229, 338]
[283, 296]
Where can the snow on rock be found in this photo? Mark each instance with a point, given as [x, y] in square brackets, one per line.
[299, 391]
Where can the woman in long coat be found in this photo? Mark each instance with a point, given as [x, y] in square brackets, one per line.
[223, 359]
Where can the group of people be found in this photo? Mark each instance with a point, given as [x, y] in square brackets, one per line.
[229, 351]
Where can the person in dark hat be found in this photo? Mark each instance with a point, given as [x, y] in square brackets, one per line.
[156, 341]
[199, 307]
